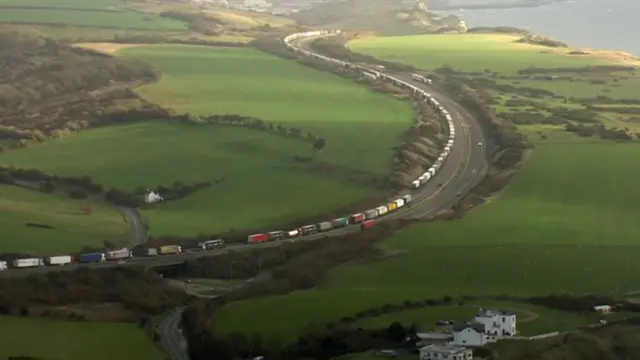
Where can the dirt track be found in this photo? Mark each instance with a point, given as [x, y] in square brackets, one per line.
[105, 47]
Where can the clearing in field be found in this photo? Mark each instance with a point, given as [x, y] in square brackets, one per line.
[255, 179]
[567, 224]
[360, 127]
[71, 228]
[40, 338]
[103, 13]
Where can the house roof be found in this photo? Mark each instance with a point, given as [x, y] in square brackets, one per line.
[444, 349]
[473, 325]
[493, 312]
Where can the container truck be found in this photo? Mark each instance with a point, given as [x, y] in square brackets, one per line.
[118, 254]
[392, 206]
[310, 229]
[293, 233]
[367, 224]
[275, 235]
[380, 67]
[399, 202]
[371, 214]
[257, 238]
[407, 199]
[58, 260]
[340, 222]
[416, 184]
[432, 171]
[3, 265]
[382, 210]
[91, 257]
[152, 252]
[356, 218]
[211, 244]
[170, 249]
[29, 262]
[325, 226]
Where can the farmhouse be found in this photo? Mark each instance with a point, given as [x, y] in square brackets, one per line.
[488, 326]
[445, 352]
[152, 197]
[604, 309]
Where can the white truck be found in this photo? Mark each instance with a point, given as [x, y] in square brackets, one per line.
[3, 265]
[29, 262]
[58, 260]
[118, 254]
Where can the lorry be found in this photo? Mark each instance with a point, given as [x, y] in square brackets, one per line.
[325, 226]
[367, 224]
[380, 67]
[211, 244]
[3, 265]
[91, 258]
[416, 184]
[170, 249]
[310, 229]
[340, 222]
[371, 214]
[399, 202]
[407, 198]
[152, 252]
[382, 210]
[392, 206]
[276, 235]
[118, 254]
[356, 218]
[257, 238]
[29, 262]
[293, 233]
[58, 260]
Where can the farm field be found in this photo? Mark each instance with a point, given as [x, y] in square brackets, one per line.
[258, 182]
[360, 127]
[71, 229]
[52, 340]
[103, 13]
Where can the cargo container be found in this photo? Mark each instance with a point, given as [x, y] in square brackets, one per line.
[212, 244]
[424, 179]
[293, 233]
[392, 206]
[371, 214]
[29, 262]
[407, 199]
[368, 224]
[152, 252]
[257, 238]
[380, 67]
[399, 202]
[118, 254]
[326, 225]
[416, 183]
[340, 222]
[382, 210]
[276, 235]
[3, 265]
[310, 229]
[58, 260]
[356, 218]
[170, 249]
[440, 159]
[92, 257]
[432, 171]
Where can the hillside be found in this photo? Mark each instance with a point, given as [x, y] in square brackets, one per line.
[45, 85]
[385, 17]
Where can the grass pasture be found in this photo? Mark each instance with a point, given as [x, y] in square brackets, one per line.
[360, 127]
[102, 13]
[51, 340]
[71, 229]
[261, 184]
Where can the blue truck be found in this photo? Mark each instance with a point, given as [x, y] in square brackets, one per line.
[92, 257]
[340, 222]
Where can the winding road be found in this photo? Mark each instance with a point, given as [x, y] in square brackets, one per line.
[465, 167]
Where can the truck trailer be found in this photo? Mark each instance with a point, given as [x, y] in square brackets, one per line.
[58, 260]
[356, 218]
[211, 244]
[170, 249]
[3, 265]
[325, 226]
[257, 238]
[91, 258]
[340, 222]
[118, 254]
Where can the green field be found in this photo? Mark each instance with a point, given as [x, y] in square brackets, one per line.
[71, 228]
[51, 339]
[360, 127]
[102, 13]
[567, 223]
[259, 173]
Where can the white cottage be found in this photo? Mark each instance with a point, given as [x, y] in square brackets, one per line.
[152, 197]
[498, 323]
[470, 334]
[445, 352]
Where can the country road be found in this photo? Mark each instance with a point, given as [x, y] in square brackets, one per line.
[171, 336]
[137, 227]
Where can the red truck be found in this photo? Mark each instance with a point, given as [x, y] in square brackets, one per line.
[356, 218]
[257, 238]
[367, 224]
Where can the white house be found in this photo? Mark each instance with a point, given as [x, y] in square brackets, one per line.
[604, 309]
[470, 334]
[152, 197]
[497, 323]
[445, 352]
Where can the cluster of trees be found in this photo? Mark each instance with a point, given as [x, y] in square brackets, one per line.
[141, 292]
[599, 130]
[541, 40]
[589, 69]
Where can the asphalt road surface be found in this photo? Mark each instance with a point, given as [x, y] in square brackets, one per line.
[171, 336]
[136, 226]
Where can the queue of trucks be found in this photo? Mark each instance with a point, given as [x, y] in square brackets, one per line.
[365, 220]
